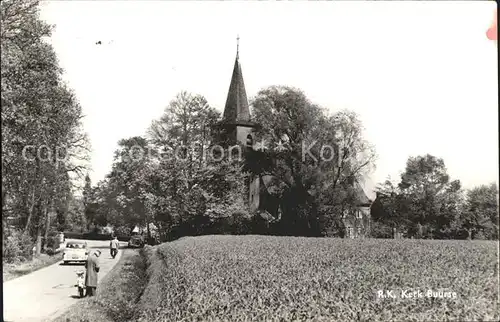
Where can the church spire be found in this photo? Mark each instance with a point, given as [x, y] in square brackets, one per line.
[236, 109]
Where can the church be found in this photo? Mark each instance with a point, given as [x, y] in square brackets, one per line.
[263, 190]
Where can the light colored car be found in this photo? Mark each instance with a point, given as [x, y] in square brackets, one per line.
[75, 251]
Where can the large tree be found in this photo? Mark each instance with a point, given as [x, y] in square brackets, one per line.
[167, 179]
[188, 184]
[185, 124]
[480, 216]
[432, 194]
[387, 207]
[128, 184]
[312, 153]
[425, 202]
[89, 202]
[42, 133]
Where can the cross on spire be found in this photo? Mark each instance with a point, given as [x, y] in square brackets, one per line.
[237, 46]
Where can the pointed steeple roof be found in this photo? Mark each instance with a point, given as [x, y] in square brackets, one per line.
[236, 109]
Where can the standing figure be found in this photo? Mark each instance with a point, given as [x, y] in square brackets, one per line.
[61, 240]
[114, 245]
[92, 267]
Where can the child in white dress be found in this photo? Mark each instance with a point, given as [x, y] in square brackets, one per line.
[80, 282]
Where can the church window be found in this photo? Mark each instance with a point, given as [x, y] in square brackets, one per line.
[249, 140]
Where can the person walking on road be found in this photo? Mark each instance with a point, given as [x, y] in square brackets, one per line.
[114, 245]
[92, 267]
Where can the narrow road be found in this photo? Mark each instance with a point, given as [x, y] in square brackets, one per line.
[46, 293]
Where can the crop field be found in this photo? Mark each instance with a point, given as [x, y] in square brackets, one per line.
[266, 278]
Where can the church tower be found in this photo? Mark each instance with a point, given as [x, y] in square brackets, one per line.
[236, 122]
[236, 126]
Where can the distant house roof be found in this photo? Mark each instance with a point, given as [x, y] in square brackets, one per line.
[361, 197]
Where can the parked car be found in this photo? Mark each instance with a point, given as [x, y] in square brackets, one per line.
[136, 241]
[75, 251]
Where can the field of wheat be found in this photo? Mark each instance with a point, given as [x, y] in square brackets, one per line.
[243, 278]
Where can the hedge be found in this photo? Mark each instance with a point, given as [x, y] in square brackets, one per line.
[93, 236]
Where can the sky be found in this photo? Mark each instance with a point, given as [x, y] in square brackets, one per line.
[422, 76]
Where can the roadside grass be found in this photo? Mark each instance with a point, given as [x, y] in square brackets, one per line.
[14, 270]
[117, 293]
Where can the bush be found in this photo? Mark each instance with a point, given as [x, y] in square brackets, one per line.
[90, 235]
[51, 251]
[52, 242]
[240, 224]
[479, 235]
[73, 235]
[96, 236]
[122, 231]
[18, 247]
[380, 230]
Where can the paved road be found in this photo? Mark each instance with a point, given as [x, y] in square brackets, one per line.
[44, 294]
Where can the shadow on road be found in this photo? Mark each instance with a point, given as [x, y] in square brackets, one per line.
[71, 264]
[100, 247]
[75, 296]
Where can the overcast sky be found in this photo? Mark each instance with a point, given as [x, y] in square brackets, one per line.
[421, 75]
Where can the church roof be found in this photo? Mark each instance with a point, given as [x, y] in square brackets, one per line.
[361, 197]
[236, 109]
[273, 185]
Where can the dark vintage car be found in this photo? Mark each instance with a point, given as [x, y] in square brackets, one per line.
[136, 241]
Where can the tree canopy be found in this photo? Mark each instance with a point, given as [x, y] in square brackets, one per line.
[426, 203]
[43, 142]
